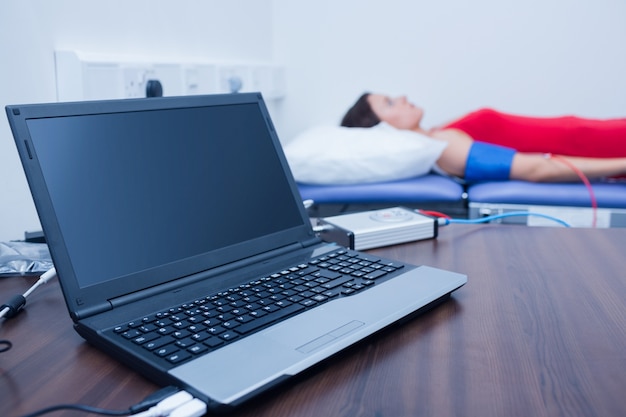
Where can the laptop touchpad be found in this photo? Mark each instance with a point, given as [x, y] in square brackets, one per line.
[330, 336]
[316, 328]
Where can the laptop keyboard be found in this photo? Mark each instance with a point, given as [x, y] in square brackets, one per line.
[208, 323]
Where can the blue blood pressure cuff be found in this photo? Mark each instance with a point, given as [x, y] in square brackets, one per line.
[487, 162]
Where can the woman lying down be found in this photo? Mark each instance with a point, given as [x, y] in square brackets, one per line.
[489, 145]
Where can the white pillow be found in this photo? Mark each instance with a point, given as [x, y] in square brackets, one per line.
[328, 155]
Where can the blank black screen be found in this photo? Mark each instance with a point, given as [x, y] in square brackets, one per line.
[136, 190]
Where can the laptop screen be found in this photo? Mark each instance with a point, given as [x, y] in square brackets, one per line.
[150, 186]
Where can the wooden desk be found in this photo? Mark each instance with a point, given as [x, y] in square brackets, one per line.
[539, 330]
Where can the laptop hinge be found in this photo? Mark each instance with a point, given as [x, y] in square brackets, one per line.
[311, 242]
[168, 286]
[92, 310]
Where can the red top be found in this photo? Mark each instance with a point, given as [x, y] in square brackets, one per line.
[566, 135]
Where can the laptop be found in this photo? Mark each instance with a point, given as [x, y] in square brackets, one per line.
[183, 248]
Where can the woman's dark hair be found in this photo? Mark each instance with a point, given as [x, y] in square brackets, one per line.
[360, 114]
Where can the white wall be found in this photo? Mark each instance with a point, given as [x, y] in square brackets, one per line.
[537, 57]
[31, 30]
[540, 57]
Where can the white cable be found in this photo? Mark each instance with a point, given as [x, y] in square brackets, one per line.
[194, 408]
[17, 302]
[322, 228]
[43, 279]
[166, 406]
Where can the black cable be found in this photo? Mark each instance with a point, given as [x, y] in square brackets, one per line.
[13, 306]
[78, 407]
[5, 345]
[154, 398]
[145, 404]
[16, 303]
[8, 310]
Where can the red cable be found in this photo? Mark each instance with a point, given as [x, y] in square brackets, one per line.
[585, 180]
[434, 214]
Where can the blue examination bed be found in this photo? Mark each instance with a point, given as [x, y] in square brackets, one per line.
[427, 192]
[571, 202]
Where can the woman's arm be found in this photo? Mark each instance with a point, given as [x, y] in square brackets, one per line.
[454, 157]
[542, 168]
[534, 167]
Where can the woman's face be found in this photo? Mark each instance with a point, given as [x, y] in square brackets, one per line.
[397, 112]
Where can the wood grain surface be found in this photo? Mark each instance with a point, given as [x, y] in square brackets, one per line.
[539, 330]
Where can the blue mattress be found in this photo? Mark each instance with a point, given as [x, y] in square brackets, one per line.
[608, 194]
[428, 188]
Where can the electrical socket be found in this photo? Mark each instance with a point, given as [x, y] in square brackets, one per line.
[135, 81]
[234, 79]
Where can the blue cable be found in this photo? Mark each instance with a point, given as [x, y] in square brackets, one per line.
[503, 215]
